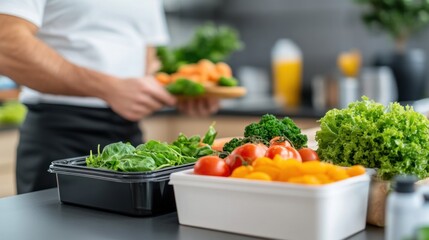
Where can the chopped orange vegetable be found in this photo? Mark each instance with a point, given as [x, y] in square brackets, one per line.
[163, 78]
[337, 173]
[223, 69]
[188, 69]
[175, 76]
[263, 161]
[195, 78]
[205, 65]
[356, 170]
[295, 171]
[242, 171]
[205, 72]
[289, 168]
[258, 176]
[272, 171]
[323, 178]
[306, 179]
[313, 167]
[286, 163]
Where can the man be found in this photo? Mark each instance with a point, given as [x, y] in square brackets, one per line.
[86, 79]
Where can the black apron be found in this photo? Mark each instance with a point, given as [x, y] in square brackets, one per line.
[51, 132]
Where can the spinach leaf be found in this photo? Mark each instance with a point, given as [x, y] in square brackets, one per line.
[117, 150]
[192, 147]
[110, 156]
[210, 135]
[136, 163]
[162, 153]
[152, 155]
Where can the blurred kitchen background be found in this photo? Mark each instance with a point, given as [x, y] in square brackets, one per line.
[321, 29]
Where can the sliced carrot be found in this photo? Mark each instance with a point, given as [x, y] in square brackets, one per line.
[175, 76]
[206, 65]
[214, 76]
[223, 69]
[204, 71]
[188, 69]
[208, 68]
[204, 76]
[194, 77]
[163, 78]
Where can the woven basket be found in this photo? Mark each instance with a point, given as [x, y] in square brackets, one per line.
[378, 192]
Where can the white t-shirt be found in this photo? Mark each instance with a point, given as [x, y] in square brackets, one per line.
[109, 36]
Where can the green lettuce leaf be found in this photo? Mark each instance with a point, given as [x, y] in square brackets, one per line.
[393, 139]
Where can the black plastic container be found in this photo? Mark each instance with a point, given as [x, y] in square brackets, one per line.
[134, 193]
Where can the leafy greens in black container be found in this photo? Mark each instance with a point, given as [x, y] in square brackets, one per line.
[129, 180]
[153, 155]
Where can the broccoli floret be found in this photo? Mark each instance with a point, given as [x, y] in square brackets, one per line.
[232, 144]
[186, 87]
[227, 81]
[269, 126]
[236, 142]
[266, 129]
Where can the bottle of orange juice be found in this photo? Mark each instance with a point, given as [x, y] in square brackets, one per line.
[287, 72]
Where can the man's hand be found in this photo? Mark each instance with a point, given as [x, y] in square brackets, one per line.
[135, 98]
[199, 106]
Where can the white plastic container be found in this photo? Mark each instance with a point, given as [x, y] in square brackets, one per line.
[272, 209]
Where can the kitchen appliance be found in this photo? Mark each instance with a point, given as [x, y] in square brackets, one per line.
[378, 83]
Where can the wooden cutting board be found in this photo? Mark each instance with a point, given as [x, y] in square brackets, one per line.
[225, 92]
[219, 92]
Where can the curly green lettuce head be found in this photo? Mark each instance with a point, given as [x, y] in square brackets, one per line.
[392, 139]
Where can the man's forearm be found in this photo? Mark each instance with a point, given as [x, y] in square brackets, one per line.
[152, 62]
[30, 62]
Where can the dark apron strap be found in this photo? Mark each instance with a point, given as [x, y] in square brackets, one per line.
[51, 132]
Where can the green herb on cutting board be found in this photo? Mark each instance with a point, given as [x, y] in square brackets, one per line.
[186, 87]
[267, 128]
[228, 82]
[393, 139]
[152, 155]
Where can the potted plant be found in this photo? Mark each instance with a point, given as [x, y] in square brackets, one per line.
[400, 19]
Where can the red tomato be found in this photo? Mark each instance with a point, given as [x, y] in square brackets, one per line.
[245, 154]
[281, 141]
[294, 153]
[212, 166]
[308, 154]
[275, 150]
[284, 152]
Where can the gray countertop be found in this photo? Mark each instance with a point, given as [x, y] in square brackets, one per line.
[40, 216]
